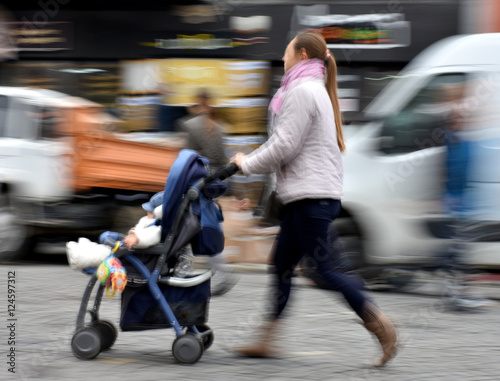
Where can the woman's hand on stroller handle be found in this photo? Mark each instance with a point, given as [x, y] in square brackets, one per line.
[227, 171]
[220, 174]
[237, 159]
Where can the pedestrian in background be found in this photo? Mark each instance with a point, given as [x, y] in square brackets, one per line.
[305, 152]
[206, 136]
[459, 206]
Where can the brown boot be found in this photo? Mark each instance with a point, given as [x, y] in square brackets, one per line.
[263, 347]
[378, 324]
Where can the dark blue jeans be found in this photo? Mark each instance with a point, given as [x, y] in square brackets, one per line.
[304, 231]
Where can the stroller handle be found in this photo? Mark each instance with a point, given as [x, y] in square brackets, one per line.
[220, 174]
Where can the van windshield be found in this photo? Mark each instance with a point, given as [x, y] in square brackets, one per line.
[420, 122]
[389, 98]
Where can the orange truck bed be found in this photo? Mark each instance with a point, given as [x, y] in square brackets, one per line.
[103, 159]
[122, 164]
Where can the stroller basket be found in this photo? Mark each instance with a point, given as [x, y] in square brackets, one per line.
[139, 310]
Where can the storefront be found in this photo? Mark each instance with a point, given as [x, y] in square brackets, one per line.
[97, 51]
[145, 61]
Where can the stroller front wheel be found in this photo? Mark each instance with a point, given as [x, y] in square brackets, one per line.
[86, 343]
[187, 349]
[108, 333]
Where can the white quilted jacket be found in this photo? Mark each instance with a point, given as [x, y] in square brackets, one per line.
[302, 149]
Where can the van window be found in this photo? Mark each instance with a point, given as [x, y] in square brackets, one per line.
[49, 120]
[483, 107]
[21, 122]
[3, 112]
[420, 123]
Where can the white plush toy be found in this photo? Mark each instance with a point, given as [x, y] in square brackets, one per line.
[86, 254]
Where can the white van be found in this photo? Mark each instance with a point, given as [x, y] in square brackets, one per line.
[393, 208]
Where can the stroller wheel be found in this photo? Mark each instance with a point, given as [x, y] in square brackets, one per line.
[187, 349]
[108, 333]
[86, 343]
[207, 337]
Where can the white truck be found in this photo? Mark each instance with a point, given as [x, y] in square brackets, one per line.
[63, 167]
[395, 163]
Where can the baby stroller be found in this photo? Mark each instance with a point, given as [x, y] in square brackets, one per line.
[154, 297]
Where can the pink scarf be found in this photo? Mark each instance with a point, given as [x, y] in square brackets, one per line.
[313, 68]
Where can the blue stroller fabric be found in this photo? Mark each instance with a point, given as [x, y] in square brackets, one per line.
[210, 240]
[188, 168]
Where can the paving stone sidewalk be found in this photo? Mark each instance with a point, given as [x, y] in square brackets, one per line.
[321, 339]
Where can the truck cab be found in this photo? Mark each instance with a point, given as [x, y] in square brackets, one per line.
[33, 161]
[64, 165]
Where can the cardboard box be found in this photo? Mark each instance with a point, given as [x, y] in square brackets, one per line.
[236, 222]
[245, 242]
[245, 186]
[249, 249]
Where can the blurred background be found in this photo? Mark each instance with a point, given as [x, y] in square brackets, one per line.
[97, 98]
[126, 55]
[129, 71]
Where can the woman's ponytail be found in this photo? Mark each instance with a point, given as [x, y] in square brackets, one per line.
[331, 87]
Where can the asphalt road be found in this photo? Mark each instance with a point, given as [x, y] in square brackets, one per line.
[320, 338]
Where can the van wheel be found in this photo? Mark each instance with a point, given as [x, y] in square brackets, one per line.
[16, 240]
[348, 240]
[399, 278]
[345, 250]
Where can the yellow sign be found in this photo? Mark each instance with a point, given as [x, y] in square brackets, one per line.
[184, 78]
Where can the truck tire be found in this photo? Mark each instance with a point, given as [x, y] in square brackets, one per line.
[16, 240]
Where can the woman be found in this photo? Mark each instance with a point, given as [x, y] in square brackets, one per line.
[305, 152]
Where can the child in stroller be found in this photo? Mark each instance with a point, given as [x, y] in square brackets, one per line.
[154, 297]
[147, 233]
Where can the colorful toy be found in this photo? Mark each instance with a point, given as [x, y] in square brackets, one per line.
[112, 274]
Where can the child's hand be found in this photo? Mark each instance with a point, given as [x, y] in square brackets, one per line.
[131, 240]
